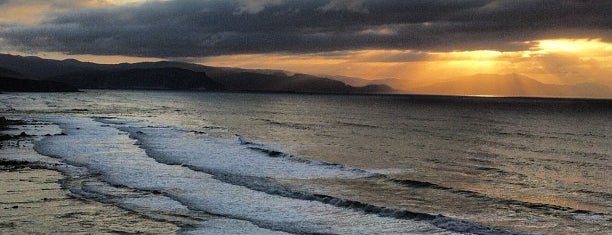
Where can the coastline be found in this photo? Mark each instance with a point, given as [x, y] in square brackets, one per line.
[136, 122]
[33, 199]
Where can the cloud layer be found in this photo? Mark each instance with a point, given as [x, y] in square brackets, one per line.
[195, 28]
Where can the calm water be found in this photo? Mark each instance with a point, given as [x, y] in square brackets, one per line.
[263, 163]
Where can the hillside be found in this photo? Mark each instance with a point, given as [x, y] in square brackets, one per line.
[162, 78]
[398, 84]
[4, 72]
[250, 81]
[38, 69]
[176, 75]
[12, 81]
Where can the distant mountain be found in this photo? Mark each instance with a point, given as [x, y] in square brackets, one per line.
[11, 81]
[26, 85]
[511, 85]
[353, 81]
[251, 81]
[179, 75]
[154, 78]
[176, 75]
[487, 85]
[4, 72]
[37, 68]
[397, 84]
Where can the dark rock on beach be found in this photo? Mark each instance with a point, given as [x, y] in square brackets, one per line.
[5, 123]
[11, 164]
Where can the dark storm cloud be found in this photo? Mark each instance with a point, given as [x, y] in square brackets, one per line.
[190, 28]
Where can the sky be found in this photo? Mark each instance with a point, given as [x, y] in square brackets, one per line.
[421, 41]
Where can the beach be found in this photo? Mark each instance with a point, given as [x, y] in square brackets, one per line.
[34, 198]
[33, 202]
[227, 163]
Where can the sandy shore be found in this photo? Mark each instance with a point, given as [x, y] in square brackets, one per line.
[32, 200]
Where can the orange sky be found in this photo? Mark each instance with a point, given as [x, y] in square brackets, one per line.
[548, 60]
[32, 12]
[559, 61]
[555, 61]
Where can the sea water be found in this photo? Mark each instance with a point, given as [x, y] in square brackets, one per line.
[336, 164]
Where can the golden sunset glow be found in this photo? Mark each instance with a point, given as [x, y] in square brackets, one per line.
[101, 59]
[32, 12]
[24, 14]
[306, 116]
[549, 61]
[553, 61]
[382, 50]
[573, 45]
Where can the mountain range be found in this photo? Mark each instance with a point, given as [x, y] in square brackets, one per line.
[175, 76]
[65, 75]
[13, 81]
[508, 85]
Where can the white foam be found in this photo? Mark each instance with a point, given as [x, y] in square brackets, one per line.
[228, 156]
[391, 171]
[109, 152]
[230, 226]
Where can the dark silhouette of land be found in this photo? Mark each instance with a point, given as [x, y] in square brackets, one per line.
[11, 81]
[174, 76]
[155, 78]
[37, 74]
[512, 85]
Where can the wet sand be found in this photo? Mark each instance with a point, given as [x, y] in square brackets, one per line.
[32, 200]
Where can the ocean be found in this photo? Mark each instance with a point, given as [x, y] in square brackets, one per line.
[251, 163]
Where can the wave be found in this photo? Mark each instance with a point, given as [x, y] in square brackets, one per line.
[429, 185]
[440, 221]
[604, 195]
[264, 184]
[278, 154]
[357, 124]
[254, 166]
[242, 157]
[272, 153]
[293, 125]
[549, 208]
[114, 158]
[267, 186]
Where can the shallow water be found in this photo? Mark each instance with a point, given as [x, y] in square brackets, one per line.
[342, 164]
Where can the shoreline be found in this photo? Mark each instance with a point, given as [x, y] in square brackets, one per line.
[33, 199]
[93, 138]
